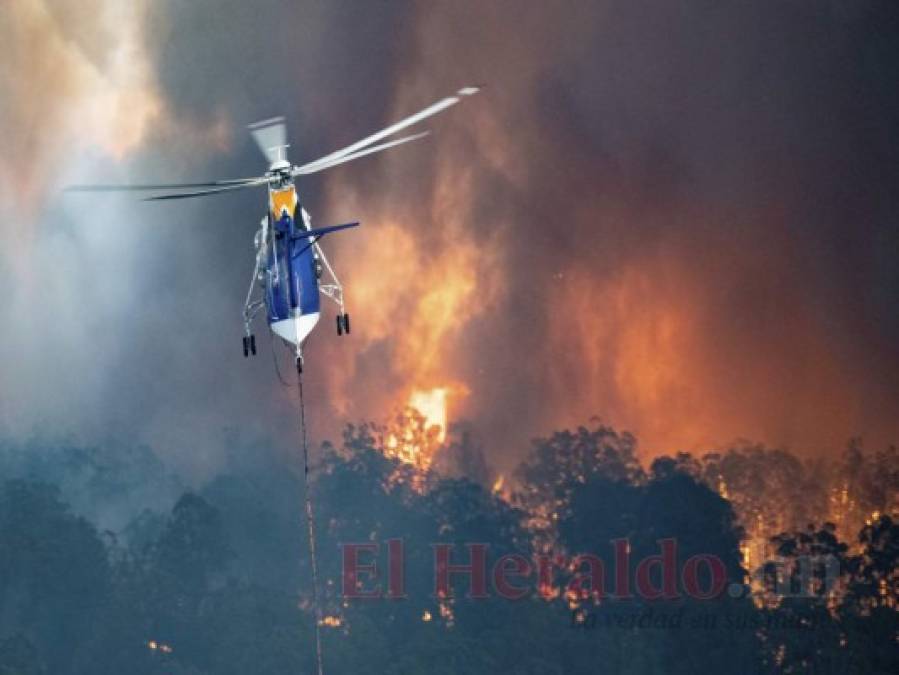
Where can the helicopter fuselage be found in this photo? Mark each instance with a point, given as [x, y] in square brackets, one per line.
[292, 268]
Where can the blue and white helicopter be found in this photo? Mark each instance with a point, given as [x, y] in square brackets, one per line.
[290, 263]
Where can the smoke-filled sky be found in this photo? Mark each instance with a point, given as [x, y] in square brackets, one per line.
[680, 217]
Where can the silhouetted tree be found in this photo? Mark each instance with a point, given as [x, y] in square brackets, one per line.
[54, 574]
[19, 657]
[567, 459]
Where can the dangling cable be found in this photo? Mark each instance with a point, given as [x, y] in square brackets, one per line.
[310, 524]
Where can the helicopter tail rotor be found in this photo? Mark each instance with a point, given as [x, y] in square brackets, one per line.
[271, 137]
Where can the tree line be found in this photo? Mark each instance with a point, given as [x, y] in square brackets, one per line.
[109, 564]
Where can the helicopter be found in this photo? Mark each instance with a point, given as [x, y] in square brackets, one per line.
[291, 271]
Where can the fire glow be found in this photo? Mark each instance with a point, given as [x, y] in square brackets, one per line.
[433, 405]
[417, 432]
[578, 300]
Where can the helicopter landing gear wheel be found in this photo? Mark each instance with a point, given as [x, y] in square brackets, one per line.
[246, 347]
[299, 365]
[253, 345]
[343, 324]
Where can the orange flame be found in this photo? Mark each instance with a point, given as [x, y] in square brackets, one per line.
[432, 404]
[331, 621]
[498, 484]
[417, 432]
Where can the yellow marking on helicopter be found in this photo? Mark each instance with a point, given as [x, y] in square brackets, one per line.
[283, 199]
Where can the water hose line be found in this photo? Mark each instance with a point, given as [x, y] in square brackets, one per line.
[310, 525]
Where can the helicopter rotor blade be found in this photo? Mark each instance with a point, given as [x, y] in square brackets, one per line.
[439, 106]
[203, 193]
[161, 186]
[316, 167]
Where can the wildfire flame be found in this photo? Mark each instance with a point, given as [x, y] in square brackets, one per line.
[417, 432]
[154, 645]
[331, 621]
[502, 488]
[432, 404]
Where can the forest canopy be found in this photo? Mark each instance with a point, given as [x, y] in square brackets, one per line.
[109, 564]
